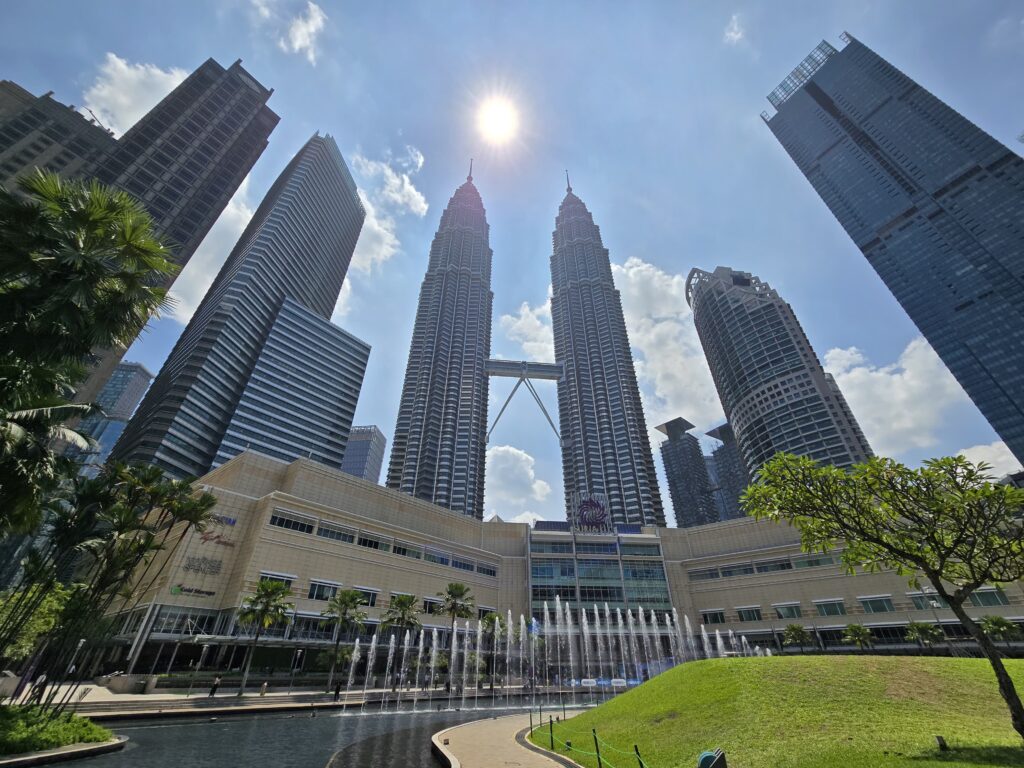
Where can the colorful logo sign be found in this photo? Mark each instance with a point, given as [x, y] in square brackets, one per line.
[590, 514]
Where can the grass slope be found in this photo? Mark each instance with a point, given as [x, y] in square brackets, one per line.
[807, 712]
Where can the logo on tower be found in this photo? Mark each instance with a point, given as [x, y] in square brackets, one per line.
[589, 513]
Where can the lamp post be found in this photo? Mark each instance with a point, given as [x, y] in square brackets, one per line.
[932, 596]
[296, 661]
[202, 658]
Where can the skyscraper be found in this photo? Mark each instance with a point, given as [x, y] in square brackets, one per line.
[183, 160]
[364, 455]
[775, 394]
[266, 311]
[689, 483]
[439, 445]
[731, 475]
[933, 202]
[606, 453]
[118, 399]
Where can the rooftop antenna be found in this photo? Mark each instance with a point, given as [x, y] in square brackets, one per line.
[470, 177]
[568, 186]
[101, 125]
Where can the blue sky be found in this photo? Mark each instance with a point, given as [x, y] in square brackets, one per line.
[654, 109]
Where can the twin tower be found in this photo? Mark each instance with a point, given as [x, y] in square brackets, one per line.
[439, 446]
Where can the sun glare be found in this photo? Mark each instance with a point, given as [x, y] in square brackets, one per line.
[497, 120]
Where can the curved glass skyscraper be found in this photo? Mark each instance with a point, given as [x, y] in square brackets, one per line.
[439, 446]
[267, 311]
[606, 453]
[934, 203]
[774, 392]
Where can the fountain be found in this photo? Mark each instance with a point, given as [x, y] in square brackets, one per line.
[705, 642]
[508, 657]
[690, 641]
[419, 670]
[453, 663]
[720, 644]
[572, 657]
[465, 663]
[387, 671]
[371, 659]
[352, 669]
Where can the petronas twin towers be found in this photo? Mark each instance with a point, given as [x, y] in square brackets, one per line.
[440, 439]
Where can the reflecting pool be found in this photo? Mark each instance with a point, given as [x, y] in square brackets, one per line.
[283, 741]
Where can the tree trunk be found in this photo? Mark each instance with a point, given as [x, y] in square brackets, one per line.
[248, 663]
[1006, 687]
[334, 661]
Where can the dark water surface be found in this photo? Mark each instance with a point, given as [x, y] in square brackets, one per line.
[284, 741]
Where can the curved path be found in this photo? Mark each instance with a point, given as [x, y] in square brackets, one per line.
[492, 743]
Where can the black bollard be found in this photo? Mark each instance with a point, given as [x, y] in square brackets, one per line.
[597, 747]
[551, 732]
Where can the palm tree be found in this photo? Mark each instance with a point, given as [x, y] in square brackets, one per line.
[858, 635]
[342, 611]
[1000, 628]
[923, 634]
[402, 613]
[269, 606]
[456, 603]
[80, 269]
[796, 634]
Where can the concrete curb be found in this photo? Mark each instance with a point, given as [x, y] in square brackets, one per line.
[254, 709]
[443, 755]
[60, 754]
[524, 742]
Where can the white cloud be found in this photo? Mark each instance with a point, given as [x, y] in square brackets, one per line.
[733, 31]
[531, 329]
[901, 405]
[195, 279]
[386, 193]
[671, 369]
[512, 483]
[395, 187]
[996, 454]
[1008, 32]
[344, 302]
[123, 92]
[262, 8]
[302, 32]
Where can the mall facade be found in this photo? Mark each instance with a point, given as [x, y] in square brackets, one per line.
[320, 530]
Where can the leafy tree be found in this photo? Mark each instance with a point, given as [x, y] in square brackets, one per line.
[402, 613]
[924, 634]
[1000, 628]
[945, 523]
[858, 635]
[343, 612]
[796, 634]
[38, 624]
[266, 608]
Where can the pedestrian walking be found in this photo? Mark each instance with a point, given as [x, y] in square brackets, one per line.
[337, 690]
[215, 686]
[263, 688]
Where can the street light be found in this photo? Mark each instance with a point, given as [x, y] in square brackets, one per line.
[192, 680]
[932, 596]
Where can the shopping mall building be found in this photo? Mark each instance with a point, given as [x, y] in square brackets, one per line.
[320, 530]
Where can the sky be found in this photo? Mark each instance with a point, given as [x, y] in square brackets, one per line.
[654, 109]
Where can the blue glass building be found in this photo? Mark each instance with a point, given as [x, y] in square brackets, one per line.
[934, 203]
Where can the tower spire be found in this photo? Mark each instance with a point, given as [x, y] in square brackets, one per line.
[470, 176]
[568, 186]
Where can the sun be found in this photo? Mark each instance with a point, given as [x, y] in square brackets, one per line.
[497, 119]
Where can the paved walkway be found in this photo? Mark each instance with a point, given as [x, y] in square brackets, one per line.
[492, 743]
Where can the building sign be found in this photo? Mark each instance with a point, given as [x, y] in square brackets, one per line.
[225, 520]
[589, 513]
[204, 565]
[181, 589]
[216, 538]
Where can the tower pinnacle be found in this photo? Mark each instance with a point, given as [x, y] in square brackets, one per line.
[470, 176]
[568, 186]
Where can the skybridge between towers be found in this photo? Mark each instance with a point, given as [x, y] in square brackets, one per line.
[524, 371]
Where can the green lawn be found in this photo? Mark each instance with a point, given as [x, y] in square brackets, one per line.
[807, 712]
[28, 729]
